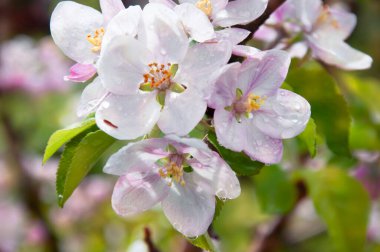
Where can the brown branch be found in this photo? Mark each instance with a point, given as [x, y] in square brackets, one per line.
[148, 240]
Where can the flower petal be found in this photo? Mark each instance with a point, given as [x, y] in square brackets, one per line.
[127, 117]
[244, 51]
[81, 72]
[224, 90]
[346, 22]
[182, 112]
[126, 22]
[136, 157]
[70, 24]
[169, 3]
[189, 208]
[163, 33]
[239, 12]
[111, 8]
[135, 193]
[264, 73]
[234, 35]
[91, 97]
[195, 21]
[338, 53]
[123, 64]
[230, 133]
[284, 115]
[260, 146]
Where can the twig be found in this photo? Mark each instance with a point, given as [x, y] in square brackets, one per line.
[148, 241]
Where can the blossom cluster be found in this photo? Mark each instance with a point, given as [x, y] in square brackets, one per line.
[165, 65]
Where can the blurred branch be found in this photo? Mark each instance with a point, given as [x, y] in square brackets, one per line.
[28, 190]
[148, 241]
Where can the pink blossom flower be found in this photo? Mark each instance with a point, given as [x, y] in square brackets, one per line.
[183, 174]
[81, 32]
[313, 25]
[31, 66]
[158, 78]
[252, 114]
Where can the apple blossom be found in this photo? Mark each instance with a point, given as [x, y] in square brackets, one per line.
[181, 173]
[251, 113]
[81, 32]
[301, 24]
[157, 78]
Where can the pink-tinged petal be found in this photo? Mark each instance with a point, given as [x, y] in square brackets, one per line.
[136, 192]
[81, 72]
[264, 73]
[111, 8]
[284, 115]
[126, 22]
[210, 170]
[189, 208]
[70, 24]
[240, 12]
[202, 64]
[260, 146]
[244, 51]
[136, 157]
[182, 112]
[346, 22]
[188, 145]
[338, 53]
[195, 22]
[234, 35]
[123, 64]
[127, 117]
[298, 50]
[230, 133]
[224, 90]
[266, 34]
[163, 33]
[169, 3]
[218, 5]
[188, 1]
[91, 97]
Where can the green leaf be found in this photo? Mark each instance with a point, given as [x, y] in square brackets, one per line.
[328, 107]
[200, 131]
[60, 137]
[275, 191]
[204, 242]
[238, 161]
[80, 154]
[364, 137]
[309, 137]
[343, 204]
[218, 208]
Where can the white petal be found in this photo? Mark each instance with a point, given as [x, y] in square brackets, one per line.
[127, 117]
[260, 146]
[91, 97]
[111, 8]
[284, 115]
[189, 208]
[123, 64]
[195, 21]
[210, 169]
[338, 53]
[346, 22]
[163, 33]
[136, 193]
[169, 3]
[231, 134]
[264, 73]
[218, 5]
[124, 23]
[224, 90]
[182, 112]
[240, 12]
[244, 51]
[234, 35]
[136, 157]
[70, 24]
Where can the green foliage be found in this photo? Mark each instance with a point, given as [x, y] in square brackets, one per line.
[218, 208]
[309, 137]
[60, 137]
[204, 242]
[328, 107]
[343, 204]
[275, 192]
[78, 157]
[238, 161]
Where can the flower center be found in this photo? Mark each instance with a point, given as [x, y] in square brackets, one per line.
[326, 17]
[96, 39]
[245, 104]
[205, 6]
[173, 172]
[158, 76]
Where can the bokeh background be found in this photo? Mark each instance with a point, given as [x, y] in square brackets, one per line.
[35, 101]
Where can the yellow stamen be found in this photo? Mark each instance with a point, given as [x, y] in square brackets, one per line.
[205, 6]
[254, 102]
[174, 172]
[96, 40]
[326, 16]
[158, 75]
